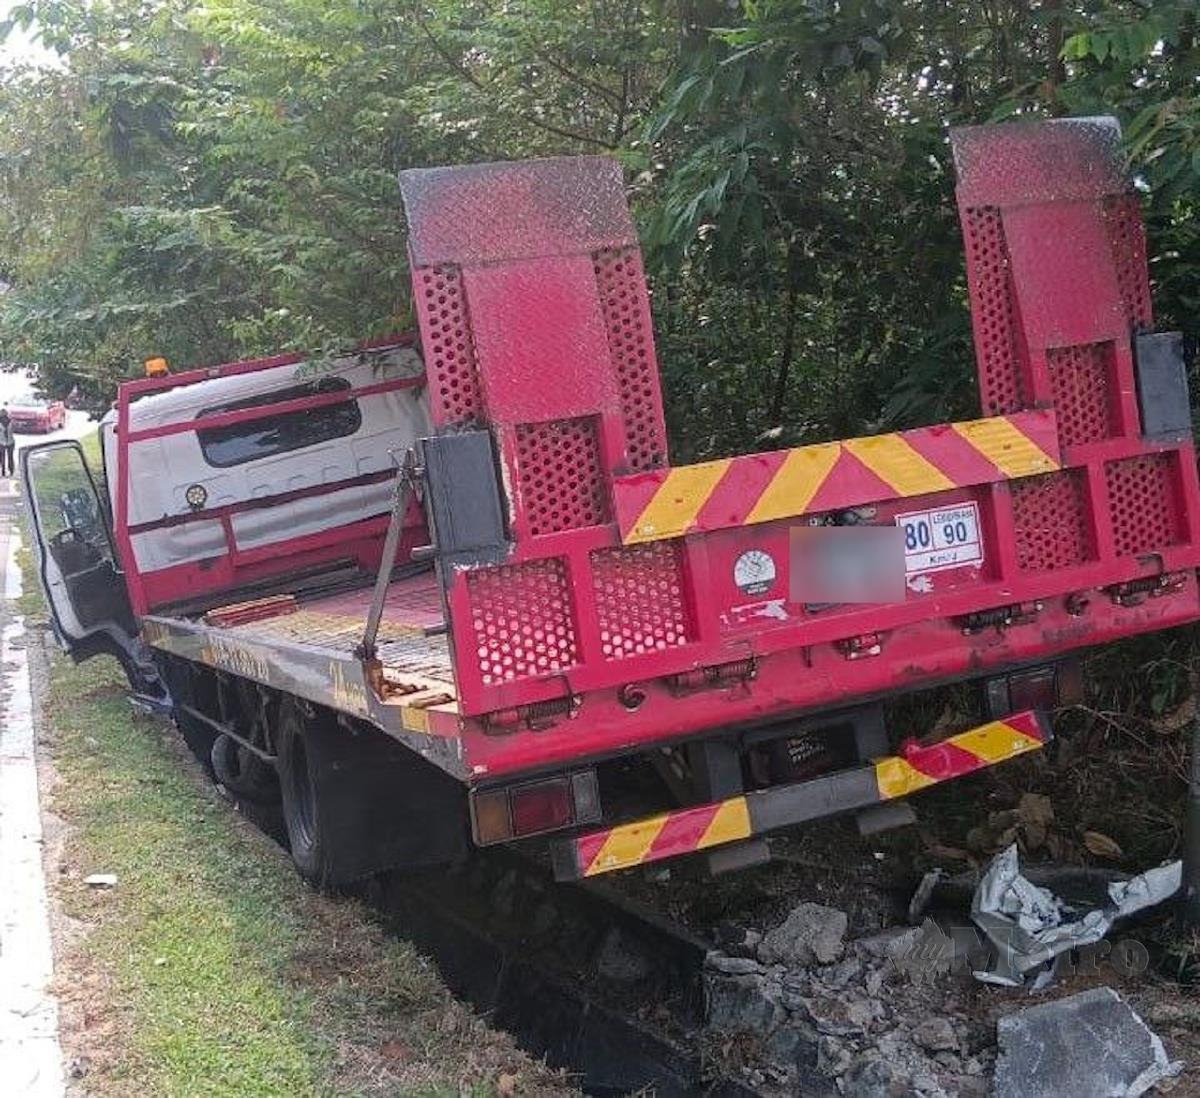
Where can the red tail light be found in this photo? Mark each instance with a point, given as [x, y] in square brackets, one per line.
[532, 808]
[1044, 687]
[545, 806]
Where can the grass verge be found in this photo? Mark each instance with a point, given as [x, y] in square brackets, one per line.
[210, 969]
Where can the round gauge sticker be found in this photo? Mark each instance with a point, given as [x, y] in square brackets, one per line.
[754, 571]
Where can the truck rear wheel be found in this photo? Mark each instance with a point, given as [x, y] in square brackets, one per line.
[243, 773]
[356, 802]
[305, 813]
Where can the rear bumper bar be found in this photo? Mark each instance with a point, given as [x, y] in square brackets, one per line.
[686, 830]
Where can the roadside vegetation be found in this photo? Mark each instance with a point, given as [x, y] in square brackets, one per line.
[213, 180]
[210, 969]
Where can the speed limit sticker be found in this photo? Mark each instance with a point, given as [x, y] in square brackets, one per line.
[945, 538]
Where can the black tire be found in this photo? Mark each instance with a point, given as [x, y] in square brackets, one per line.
[305, 811]
[355, 802]
[242, 772]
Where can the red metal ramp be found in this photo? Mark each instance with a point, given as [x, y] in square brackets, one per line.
[536, 326]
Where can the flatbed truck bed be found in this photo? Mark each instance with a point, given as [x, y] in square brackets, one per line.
[309, 647]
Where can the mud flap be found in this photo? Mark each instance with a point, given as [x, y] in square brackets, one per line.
[379, 805]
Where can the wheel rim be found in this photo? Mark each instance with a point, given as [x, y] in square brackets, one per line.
[304, 797]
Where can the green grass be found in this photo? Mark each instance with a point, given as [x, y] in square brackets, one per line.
[91, 452]
[211, 969]
[30, 604]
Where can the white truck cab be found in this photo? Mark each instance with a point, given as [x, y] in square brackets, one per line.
[256, 459]
[317, 469]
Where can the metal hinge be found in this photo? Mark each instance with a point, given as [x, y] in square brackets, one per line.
[1001, 617]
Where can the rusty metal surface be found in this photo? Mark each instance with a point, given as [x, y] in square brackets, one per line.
[486, 213]
[428, 657]
[407, 647]
[1069, 159]
[419, 709]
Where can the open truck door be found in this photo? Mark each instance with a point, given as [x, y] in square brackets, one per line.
[78, 569]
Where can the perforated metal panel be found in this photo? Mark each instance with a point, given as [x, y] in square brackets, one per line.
[1050, 519]
[622, 287]
[1123, 215]
[1144, 503]
[562, 482]
[522, 620]
[454, 395]
[536, 317]
[1081, 379]
[640, 601]
[1059, 286]
[1002, 387]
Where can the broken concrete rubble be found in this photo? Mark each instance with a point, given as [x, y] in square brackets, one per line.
[897, 1012]
[811, 933]
[1090, 1045]
[732, 966]
[847, 1016]
[935, 1035]
[742, 1003]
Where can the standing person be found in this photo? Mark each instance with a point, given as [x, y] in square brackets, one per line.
[7, 444]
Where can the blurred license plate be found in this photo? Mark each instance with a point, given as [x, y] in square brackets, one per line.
[836, 564]
[947, 537]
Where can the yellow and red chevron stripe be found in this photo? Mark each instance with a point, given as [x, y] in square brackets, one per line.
[917, 766]
[687, 830]
[741, 491]
[664, 836]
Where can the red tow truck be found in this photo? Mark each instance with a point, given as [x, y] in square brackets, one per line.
[449, 591]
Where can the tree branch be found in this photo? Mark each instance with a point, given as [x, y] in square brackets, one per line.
[538, 123]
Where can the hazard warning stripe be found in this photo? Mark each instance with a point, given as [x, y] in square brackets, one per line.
[917, 767]
[663, 836]
[741, 491]
[687, 830]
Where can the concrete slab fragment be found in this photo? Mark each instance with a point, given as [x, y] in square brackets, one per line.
[1090, 1045]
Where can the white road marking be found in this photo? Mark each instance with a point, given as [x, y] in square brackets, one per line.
[30, 1056]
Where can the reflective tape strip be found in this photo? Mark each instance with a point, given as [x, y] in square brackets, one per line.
[795, 483]
[917, 767]
[896, 463]
[896, 777]
[764, 487]
[414, 720]
[1012, 451]
[665, 836]
[673, 508]
[687, 830]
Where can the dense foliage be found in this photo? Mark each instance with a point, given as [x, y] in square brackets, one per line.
[208, 179]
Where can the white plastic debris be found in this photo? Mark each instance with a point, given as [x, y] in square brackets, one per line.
[101, 880]
[1030, 926]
